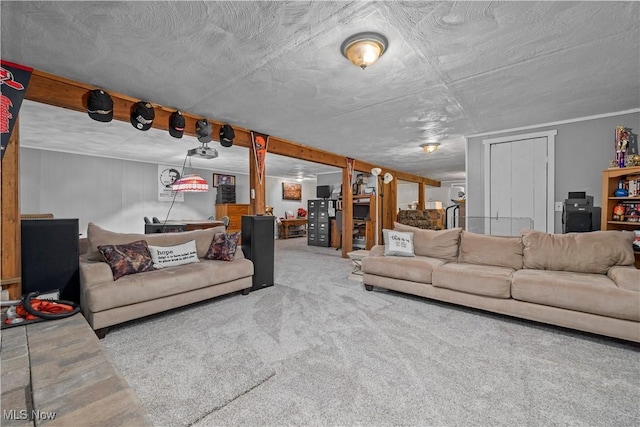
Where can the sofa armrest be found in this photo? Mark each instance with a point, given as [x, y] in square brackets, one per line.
[626, 277]
[377, 250]
[94, 272]
[239, 254]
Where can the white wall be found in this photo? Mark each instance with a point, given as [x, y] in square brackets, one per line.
[407, 193]
[273, 196]
[118, 194]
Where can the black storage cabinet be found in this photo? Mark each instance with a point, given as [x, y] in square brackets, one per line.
[50, 257]
[318, 222]
[258, 246]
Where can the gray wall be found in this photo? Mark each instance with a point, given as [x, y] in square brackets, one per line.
[583, 150]
[334, 179]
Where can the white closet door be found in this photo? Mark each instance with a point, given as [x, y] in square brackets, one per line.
[501, 190]
[518, 185]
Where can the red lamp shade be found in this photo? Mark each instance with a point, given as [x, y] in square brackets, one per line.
[192, 184]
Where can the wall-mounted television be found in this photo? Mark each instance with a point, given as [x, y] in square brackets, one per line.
[323, 191]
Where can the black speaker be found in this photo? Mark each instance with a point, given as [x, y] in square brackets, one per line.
[258, 246]
[225, 194]
[50, 257]
[577, 222]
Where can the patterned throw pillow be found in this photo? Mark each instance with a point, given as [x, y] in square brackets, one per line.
[127, 259]
[223, 246]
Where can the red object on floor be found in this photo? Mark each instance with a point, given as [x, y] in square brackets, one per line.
[42, 306]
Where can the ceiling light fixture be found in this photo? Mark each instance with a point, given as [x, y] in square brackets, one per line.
[363, 49]
[430, 147]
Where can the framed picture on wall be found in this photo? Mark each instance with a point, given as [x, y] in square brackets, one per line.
[219, 179]
[167, 175]
[291, 191]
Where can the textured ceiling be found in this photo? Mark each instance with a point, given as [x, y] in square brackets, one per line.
[452, 69]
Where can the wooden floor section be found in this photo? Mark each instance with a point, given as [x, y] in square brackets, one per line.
[58, 373]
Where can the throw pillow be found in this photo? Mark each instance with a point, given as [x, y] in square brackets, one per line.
[169, 256]
[129, 258]
[223, 246]
[397, 243]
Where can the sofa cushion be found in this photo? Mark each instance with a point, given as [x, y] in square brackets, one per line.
[169, 256]
[625, 277]
[414, 269]
[589, 293]
[442, 244]
[481, 249]
[129, 258]
[165, 282]
[484, 280]
[223, 246]
[398, 243]
[593, 252]
[99, 236]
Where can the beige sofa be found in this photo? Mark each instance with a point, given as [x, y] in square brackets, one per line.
[583, 281]
[106, 302]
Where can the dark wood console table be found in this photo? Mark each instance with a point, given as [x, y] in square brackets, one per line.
[195, 224]
[283, 229]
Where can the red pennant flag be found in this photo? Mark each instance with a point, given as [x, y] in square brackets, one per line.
[259, 142]
[13, 84]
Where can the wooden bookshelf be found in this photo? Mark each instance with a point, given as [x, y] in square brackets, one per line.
[610, 182]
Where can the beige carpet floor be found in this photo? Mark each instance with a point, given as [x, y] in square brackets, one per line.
[317, 349]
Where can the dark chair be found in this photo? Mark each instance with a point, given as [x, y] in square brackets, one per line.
[156, 220]
[147, 220]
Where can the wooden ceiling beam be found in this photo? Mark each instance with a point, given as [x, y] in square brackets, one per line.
[61, 92]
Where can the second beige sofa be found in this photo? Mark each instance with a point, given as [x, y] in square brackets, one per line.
[106, 302]
[584, 281]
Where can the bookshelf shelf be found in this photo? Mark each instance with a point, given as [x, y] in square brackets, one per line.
[610, 182]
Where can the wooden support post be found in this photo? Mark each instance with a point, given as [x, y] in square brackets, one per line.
[389, 201]
[347, 214]
[421, 196]
[257, 192]
[10, 268]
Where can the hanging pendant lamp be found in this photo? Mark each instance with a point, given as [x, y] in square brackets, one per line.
[193, 183]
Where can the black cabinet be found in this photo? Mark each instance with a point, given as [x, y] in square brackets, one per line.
[318, 222]
[225, 194]
[50, 257]
[258, 246]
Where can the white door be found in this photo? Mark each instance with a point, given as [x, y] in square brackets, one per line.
[517, 184]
